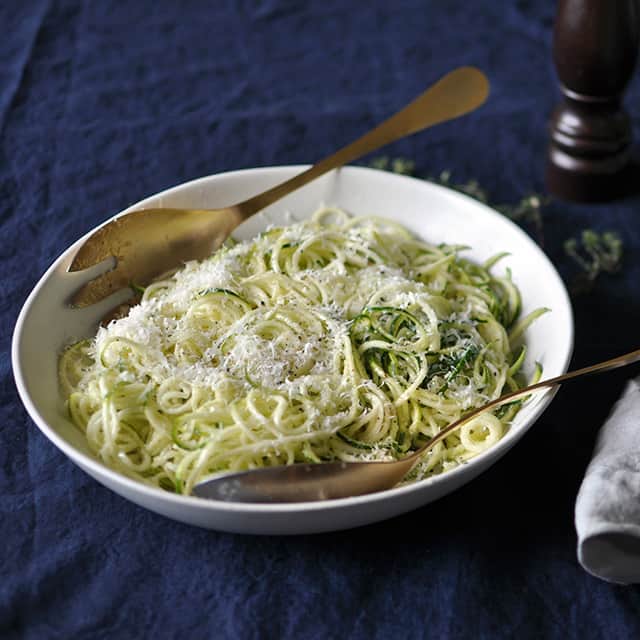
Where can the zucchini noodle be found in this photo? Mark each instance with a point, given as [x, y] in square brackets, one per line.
[336, 338]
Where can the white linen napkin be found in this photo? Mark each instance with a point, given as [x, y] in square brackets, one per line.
[607, 512]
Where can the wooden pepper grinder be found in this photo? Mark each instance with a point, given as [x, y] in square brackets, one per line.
[595, 45]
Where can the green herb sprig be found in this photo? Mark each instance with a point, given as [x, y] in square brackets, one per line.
[595, 253]
[403, 166]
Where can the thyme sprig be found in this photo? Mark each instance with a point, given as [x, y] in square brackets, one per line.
[595, 253]
[471, 188]
[403, 166]
[528, 211]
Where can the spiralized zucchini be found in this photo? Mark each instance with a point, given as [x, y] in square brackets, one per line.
[337, 338]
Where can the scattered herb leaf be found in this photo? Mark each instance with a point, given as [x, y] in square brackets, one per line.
[403, 166]
[471, 188]
[595, 253]
[527, 211]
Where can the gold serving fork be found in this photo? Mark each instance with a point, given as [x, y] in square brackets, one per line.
[149, 242]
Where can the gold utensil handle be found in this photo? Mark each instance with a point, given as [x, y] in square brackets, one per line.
[607, 365]
[148, 242]
[454, 95]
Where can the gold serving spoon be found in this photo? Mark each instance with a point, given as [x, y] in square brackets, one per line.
[331, 480]
[149, 242]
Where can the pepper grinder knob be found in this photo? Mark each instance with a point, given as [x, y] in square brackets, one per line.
[595, 46]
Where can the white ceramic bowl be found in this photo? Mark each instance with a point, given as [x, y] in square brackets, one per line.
[436, 214]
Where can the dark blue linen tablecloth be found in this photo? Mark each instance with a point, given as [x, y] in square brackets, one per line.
[103, 103]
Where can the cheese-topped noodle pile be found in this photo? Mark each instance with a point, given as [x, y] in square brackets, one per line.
[337, 338]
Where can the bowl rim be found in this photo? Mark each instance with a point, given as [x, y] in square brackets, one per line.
[100, 470]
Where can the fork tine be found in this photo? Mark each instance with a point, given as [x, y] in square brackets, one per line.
[99, 288]
[95, 249]
[147, 243]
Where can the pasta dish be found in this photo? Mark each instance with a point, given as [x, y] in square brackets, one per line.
[337, 338]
